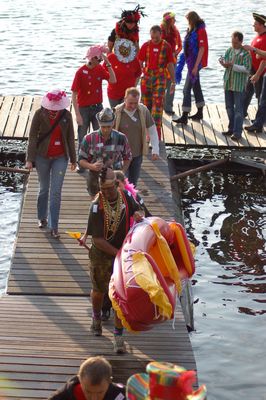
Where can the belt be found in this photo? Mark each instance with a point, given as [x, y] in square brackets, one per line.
[93, 105]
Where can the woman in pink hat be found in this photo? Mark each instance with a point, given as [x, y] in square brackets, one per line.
[51, 144]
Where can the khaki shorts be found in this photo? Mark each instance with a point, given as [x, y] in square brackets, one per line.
[101, 269]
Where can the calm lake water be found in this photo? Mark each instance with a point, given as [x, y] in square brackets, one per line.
[42, 45]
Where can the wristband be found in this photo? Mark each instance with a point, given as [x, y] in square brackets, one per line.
[108, 65]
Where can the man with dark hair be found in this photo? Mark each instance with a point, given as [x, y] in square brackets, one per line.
[258, 66]
[108, 224]
[156, 58]
[93, 382]
[237, 64]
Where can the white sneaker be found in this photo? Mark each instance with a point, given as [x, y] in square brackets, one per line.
[119, 344]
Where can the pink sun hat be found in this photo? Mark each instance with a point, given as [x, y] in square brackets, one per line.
[95, 51]
[55, 100]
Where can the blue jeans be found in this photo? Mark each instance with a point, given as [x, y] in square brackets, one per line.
[196, 87]
[252, 88]
[261, 113]
[88, 114]
[133, 171]
[51, 173]
[234, 102]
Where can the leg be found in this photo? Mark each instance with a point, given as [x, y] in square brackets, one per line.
[248, 96]
[186, 106]
[229, 104]
[43, 166]
[158, 91]
[169, 98]
[113, 103]
[92, 183]
[146, 92]
[133, 171]
[94, 111]
[261, 113]
[58, 170]
[238, 113]
[83, 129]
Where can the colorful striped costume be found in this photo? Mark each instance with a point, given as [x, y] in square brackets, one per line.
[153, 84]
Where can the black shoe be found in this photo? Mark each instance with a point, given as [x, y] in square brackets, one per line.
[96, 327]
[42, 223]
[253, 129]
[235, 138]
[227, 133]
[55, 234]
[197, 116]
[181, 120]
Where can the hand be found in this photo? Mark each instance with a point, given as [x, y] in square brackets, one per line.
[97, 166]
[155, 157]
[105, 59]
[29, 165]
[82, 239]
[254, 78]
[79, 119]
[247, 47]
[194, 70]
[172, 88]
[73, 166]
[138, 216]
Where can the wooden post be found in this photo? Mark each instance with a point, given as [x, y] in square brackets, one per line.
[199, 169]
[18, 170]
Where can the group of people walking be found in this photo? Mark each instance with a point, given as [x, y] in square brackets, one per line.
[120, 133]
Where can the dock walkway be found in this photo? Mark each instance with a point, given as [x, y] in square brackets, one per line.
[45, 316]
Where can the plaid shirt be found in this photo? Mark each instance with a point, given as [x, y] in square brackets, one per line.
[115, 149]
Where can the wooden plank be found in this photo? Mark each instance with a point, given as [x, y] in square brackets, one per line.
[4, 113]
[36, 103]
[217, 125]
[167, 130]
[20, 131]
[13, 117]
[44, 341]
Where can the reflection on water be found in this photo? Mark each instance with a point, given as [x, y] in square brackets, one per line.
[225, 218]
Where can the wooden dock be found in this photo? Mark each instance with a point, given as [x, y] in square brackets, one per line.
[45, 316]
[16, 113]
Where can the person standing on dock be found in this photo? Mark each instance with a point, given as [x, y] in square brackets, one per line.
[86, 89]
[171, 34]
[108, 224]
[51, 144]
[258, 67]
[195, 55]
[157, 60]
[135, 121]
[93, 382]
[237, 64]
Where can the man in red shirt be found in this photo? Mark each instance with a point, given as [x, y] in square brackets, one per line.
[87, 89]
[157, 56]
[258, 68]
[127, 75]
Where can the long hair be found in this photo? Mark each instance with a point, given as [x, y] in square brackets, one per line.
[194, 20]
[165, 25]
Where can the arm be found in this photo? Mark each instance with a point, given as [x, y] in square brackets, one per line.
[260, 52]
[254, 78]
[198, 60]
[32, 144]
[105, 246]
[112, 78]
[126, 164]
[71, 144]
[97, 166]
[76, 108]
[154, 141]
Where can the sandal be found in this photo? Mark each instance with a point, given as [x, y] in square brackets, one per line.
[55, 234]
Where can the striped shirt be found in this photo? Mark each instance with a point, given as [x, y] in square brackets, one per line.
[115, 149]
[233, 79]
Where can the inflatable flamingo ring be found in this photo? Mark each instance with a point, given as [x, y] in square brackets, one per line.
[155, 257]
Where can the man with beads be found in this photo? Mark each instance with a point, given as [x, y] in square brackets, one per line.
[108, 224]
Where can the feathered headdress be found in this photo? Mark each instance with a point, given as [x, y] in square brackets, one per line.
[133, 15]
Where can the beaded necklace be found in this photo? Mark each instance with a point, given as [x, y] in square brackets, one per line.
[112, 215]
[52, 114]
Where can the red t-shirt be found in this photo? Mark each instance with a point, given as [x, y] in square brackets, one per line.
[56, 147]
[126, 75]
[78, 392]
[88, 84]
[203, 42]
[260, 43]
[155, 50]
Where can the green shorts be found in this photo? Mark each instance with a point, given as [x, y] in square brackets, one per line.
[101, 269]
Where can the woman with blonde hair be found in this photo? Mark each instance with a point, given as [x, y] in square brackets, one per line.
[171, 34]
[195, 55]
